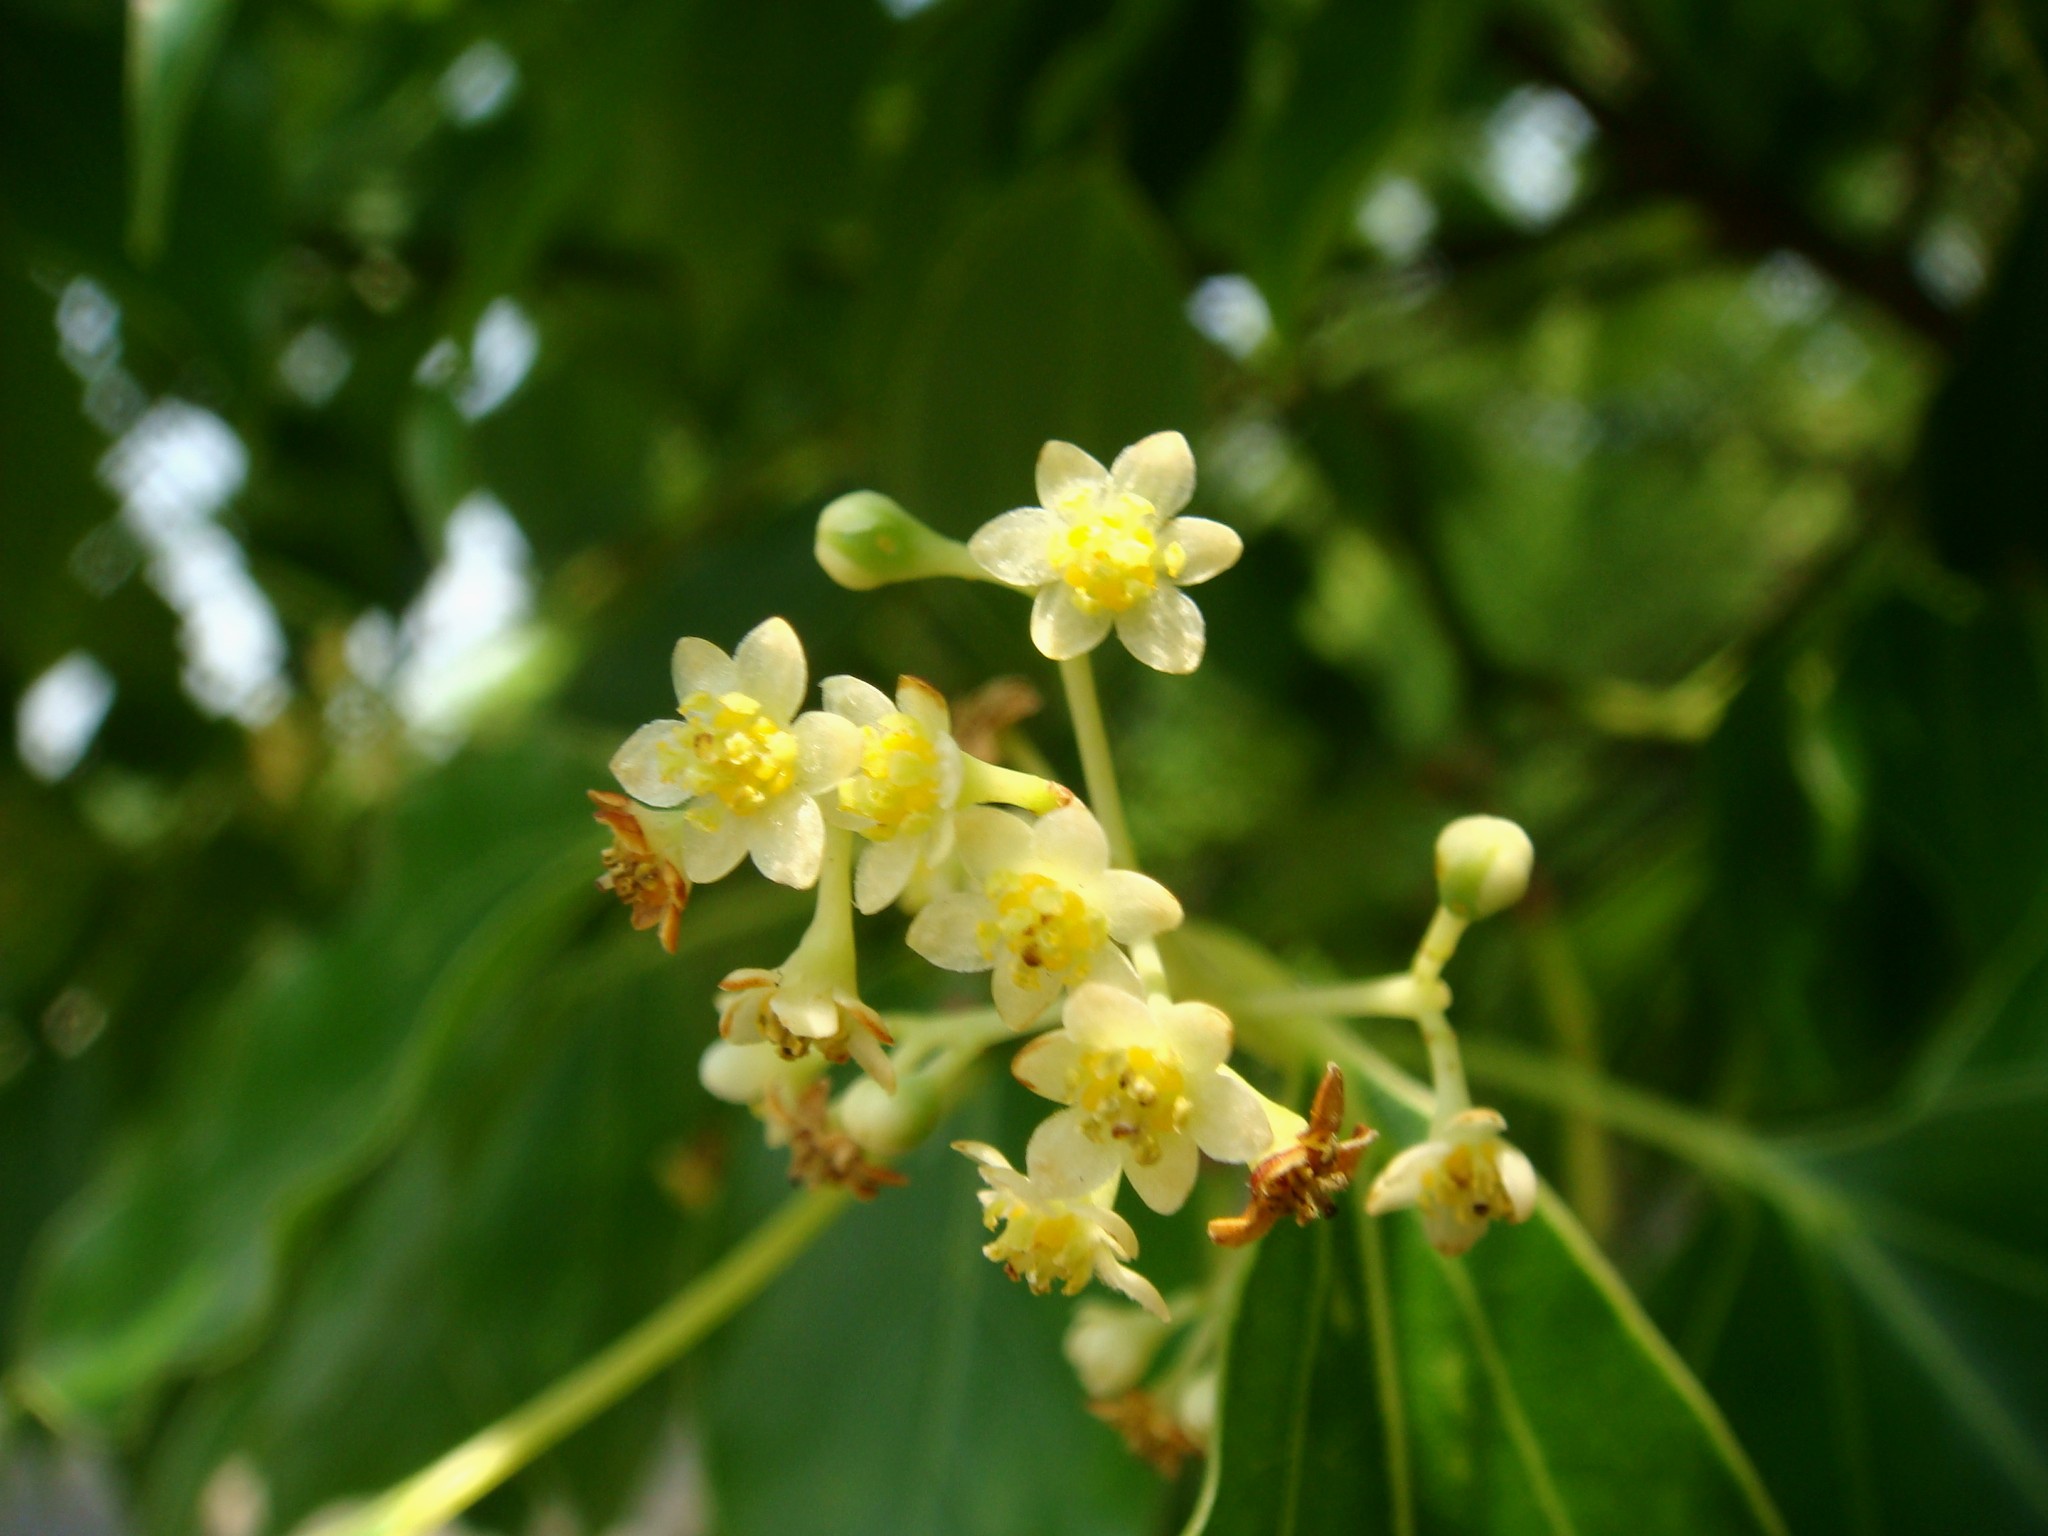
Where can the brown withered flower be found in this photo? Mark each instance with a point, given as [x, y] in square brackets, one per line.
[651, 884]
[1304, 1178]
[1150, 1430]
[819, 1154]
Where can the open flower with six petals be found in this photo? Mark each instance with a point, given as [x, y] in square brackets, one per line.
[1048, 1235]
[1042, 910]
[1147, 1092]
[744, 765]
[1106, 549]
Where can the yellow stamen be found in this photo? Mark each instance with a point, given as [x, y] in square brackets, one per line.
[731, 749]
[1134, 1096]
[1108, 554]
[897, 788]
[1042, 926]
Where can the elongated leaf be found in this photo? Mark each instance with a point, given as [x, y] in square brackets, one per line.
[308, 1072]
[171, 44]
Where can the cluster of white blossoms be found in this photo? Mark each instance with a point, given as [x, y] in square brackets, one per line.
[871, 801]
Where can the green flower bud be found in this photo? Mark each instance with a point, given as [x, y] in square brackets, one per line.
[885, 1124]
[1482, 866]
[865, 540]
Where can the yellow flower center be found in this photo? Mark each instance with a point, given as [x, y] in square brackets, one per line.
[898, 787]
[1467, 1185]
[1044, 1245]
[1042, 926]
[1135, 1096]
[732, 749]
[1108, 554]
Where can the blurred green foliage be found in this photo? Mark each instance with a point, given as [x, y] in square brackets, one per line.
[1633, 409]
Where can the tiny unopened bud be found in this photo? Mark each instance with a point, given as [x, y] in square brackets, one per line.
[865, 540]
[885, 1124]
[1111, 1346]
[1482, 865]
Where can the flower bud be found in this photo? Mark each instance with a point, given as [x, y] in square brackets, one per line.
[865, 540]
[885, 1124]
[1111, 1346]
[1482, 866]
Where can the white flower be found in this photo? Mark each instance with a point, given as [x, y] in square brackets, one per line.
[906, 787]
[1111, 1346]
[1043, 909]
[1146, 1092]
[1464, 1177]
[741, 760]
[1104, 548]
[1050, 1238]
[747, 1074]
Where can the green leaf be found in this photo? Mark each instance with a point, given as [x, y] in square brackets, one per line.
[1057, 314]
[1521, 1388]
[171, 45]
[895, 1384]
[306, 1075]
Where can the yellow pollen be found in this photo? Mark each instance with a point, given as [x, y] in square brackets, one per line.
[897, 788]
[1041, 1246]
[1467, 1182]
[1134, 1097]
[731, 749]
[1108, 553]
[1042, 926]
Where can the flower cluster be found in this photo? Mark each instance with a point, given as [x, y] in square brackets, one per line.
[872, 800]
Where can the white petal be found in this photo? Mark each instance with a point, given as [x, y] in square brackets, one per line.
[1201, 1036]
[698, 666]
[1102, 1017]
[1061, 630]
[1017, 547]
[862, 703]
[1112, 968]
[1206, 548]
[925, 704]
[981, 1153]
[1044, 1065]
[1064, 469]
[1160, 468]
[1166, 631]
[1400, 1182]
[1070, 841]
[787, 840]
[872, 1059]
[948, 932]
[1066, 1158]
[771, 666]
[1019, 1002]
[1518, 1177]
[1112, 1226]
[1164, 1185]
[1227, 1121]
[711, 852]
[991, 840]
[1121, 1277]
[939, 843]
[883, 871]
[637, 765]
[1136, 906]
[1475, 1125]
[811, 1014]
[828, 750]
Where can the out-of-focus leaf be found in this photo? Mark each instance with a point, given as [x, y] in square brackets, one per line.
[171, 46]
[895, 1384]
[172, 1256]
[1057, 314]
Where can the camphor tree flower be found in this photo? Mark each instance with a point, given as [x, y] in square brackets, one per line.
[1147, 1092]
[643, 866]
[1043, 909]
[1052, 1236]
[743, 764]
[1105, 548]
[910, 779]
[1465, 1176]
